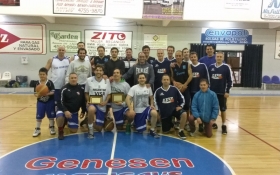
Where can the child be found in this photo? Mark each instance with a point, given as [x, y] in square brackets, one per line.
[45, 104]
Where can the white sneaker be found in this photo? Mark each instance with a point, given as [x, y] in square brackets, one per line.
[52, 130]
[187, 127]
[36, 132]
[90, 133]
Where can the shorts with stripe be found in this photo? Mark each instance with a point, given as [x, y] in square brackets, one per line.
[140, 119]
[100, 116]
[119, 116]
[45, 108]
[72, 122]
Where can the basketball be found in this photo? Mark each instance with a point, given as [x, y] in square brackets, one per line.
[108, 125]
[42, 90]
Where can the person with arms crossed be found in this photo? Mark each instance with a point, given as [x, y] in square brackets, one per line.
[45, 104]
[119, 108]
[97, 87]
[58, 66]
[72, 99]
[161, 66]
[170, 102]
[221, 82]
[146, 50]
[129, 61]
[139, 109]
[205, 108]
[76, 56]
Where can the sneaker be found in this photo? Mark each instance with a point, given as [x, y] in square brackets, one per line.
[154, 134]
[200, 128]
[224, 129]
[187, 127]
[36, 132]
[128, 129]
[90, 133]
[215, 126]
[52, 130]
[60, 135]
[182, 135]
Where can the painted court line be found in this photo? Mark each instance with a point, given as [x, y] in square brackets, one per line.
[113, 150]
[255, 136]
[13, 113]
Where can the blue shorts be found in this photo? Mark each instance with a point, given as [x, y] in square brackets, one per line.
[119, 116]
[140, 119]
[72, 122]
[100, 116]
[57, 95]
[45, 108]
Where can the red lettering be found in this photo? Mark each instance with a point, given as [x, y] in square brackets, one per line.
[159, 163]
[44, 165]
[86, 162]
[104, 35]
[112, 35]
[175, 173]
[137, 163]
[68, 164]
[116, 163]
[96, 35]
[176, 162]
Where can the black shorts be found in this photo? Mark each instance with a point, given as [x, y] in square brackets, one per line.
[222, 102]
[167, 124]
[187, 97]
[192, 95]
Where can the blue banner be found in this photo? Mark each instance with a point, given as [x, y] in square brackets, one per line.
[226, 36]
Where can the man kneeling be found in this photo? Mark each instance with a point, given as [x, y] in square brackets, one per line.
[72, 99]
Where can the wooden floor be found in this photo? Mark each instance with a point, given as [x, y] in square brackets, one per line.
[252, 146]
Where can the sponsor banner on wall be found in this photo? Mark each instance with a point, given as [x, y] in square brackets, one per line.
[22, 38]
[9, 2]
[132, 7]
[277, 45]
[155, 41]
[226, 36]
[79, 7]
[68, 39]
[270, 9]
[237, 4]
[120, 39]
[167, 9]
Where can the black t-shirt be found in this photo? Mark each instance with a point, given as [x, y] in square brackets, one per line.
[180, 74]
[101, 61]
[150, 60]
[50, 86]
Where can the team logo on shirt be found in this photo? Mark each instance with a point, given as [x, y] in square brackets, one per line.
[195, 75]
[161, 71]
[156, 65]
[217, 76]
[168, 100]
[78, 93]
[212, 69]
[184, 66]
[161, 94]
[142, 70]
[151, 61]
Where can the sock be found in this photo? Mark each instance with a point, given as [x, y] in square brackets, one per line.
[38, 124]
[180, 130]
[60, 129]
[152, 129]
[90, 126]
[224, 123]
[51, 122]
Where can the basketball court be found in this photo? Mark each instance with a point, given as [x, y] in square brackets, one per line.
[252, 145]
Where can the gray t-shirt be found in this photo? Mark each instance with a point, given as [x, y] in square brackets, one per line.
[81, 68]
[141, 97]
[119, 87]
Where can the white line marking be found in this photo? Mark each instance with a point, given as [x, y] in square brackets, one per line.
[114, 144]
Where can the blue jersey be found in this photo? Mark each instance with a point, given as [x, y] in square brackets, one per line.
[173, 60]
[166, 101]
[160, 68]
[208, 60]
[150, 60]
[220, 78]
[199, 72]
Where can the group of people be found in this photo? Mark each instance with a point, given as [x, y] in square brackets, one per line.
[153, 89]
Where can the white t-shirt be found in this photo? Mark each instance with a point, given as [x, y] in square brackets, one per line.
[141, 97]
[120, 87]
[99, 88]
[58, 71]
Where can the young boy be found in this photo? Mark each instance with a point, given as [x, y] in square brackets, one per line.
[45, 104]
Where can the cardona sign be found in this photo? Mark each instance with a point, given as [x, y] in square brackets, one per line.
[226, 36]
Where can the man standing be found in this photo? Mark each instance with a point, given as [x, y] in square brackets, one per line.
[186, 55]
[98, 87]
[170, 52]
[129, 61]
[76, 56]
[204, 114]
[137, 101]
[81, 67]
[221, 82]
[209, 58]
[113, 63]
[141, 67]
[58, 66]
[146, 50]
[170, 102]
[73, 98]
[101, 59]
[119, 108]
[161, 66]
